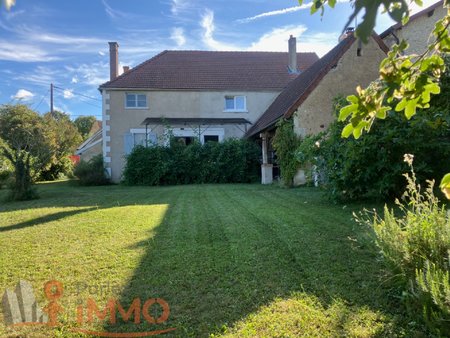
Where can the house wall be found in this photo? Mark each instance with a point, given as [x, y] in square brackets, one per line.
[91, 152]
[417, 32]
[208, 104]
[316, 113]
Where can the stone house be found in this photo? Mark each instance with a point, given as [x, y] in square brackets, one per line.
[418, 31]
[206, 95]
[308, 99]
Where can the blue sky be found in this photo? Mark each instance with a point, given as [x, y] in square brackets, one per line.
[66, 42]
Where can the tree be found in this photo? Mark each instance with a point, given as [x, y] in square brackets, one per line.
[28, 144]
[406, 82]
[84, 125]
[67, 140]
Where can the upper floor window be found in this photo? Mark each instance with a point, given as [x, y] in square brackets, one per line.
[136, 100]
[235, 103]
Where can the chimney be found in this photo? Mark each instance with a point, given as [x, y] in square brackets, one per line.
[292, 66]
[126, 69]
[113, 60]
[348, 31]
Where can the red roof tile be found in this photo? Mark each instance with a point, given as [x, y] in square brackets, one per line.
[206, 70]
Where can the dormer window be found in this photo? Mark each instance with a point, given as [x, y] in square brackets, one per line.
[236, 103]
[136, 101]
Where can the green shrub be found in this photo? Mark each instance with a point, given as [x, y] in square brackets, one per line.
[92, 172]
[231, 161]
[416, 246]
[56, 170]
[6, 173]
[285, 143]
[372, 166]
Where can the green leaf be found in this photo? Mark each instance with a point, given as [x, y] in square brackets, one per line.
[332, 3]
[410, 109]
[347, 131]
[347, 111]
[382, 113]
[401, 105]
[445, 183]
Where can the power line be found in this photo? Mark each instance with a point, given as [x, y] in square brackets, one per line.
[79, 94]
[40, 102]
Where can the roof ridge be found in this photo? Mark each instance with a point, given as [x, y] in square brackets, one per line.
[132, 70]
[342, 47]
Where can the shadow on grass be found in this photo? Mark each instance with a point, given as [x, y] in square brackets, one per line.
[222, 253]
[45, 219]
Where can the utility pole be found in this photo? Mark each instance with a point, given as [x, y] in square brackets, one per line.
[51, 99]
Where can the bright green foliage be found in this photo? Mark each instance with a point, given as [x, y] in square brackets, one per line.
[416, 245]
[285, 143]
[67, 139]
[29, 145]
[91, 172]
[397, 10]
[372, 166]
[84, 125]
[401, 86]
[232, 161]
[6, 169]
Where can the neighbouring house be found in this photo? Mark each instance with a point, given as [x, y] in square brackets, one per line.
[308, 99]
[418, 31]
[91, 147]
[206, 95]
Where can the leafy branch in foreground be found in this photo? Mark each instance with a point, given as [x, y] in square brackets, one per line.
[398, 10]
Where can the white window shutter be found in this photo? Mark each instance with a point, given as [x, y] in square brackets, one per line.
[152, 139]
[128, 143]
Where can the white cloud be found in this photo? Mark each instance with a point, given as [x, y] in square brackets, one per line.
[207, 24]
[282, 11]
[68, 94]
[116, 14]
[23, 95]
[24, 52]
[101, 53]
[74, 80]
[93, 74]
[277, 12]
[178, 36]
[178, 6]
[277, 39]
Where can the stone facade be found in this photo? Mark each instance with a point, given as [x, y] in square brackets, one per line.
[417, 32]
[316, 113]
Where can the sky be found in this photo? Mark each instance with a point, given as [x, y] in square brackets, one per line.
[66, 42]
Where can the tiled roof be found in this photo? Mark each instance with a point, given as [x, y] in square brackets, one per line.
[412, 18]
[206, 70]
[299, 89]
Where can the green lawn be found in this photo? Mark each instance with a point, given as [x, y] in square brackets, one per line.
[231, 260]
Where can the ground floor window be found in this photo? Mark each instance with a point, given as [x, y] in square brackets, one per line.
[203, 134]
[210, 138]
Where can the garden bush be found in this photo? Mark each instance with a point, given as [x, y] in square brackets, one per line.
[416, 246]
[231, 161]
[285, 143]
[91, 172]
[372, 166]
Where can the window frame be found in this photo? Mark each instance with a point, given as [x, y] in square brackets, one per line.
[136, 95]
[235, 110]
[192, 132]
